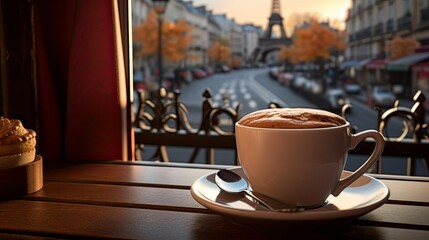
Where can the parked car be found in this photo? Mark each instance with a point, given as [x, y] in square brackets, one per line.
[198, 73]
[274, 72]
[337, 99]
[352, 87]
[299, 82]
[313, 86]
[209, 71]
[285, 78]
[382, 96]
[222, 69]
[184, 75]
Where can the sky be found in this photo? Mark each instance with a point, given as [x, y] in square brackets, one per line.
[258, 11]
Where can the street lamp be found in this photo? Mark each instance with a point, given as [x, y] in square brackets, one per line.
[159, 6]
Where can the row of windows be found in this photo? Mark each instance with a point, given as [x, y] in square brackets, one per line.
[383, 12]
[364, 51]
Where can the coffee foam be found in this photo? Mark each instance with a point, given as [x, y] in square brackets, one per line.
[292, 118]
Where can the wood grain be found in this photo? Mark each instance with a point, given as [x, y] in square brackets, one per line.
[118, 174]
[88, 221]
[118, 195]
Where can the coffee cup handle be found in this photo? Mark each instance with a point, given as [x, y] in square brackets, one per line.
[376, 153]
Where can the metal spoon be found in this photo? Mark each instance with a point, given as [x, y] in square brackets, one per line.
[231, 182]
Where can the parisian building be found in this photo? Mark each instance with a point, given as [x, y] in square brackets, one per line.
[207, 28]
[371, 25]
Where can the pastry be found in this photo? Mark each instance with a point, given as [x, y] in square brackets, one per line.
[17, 144]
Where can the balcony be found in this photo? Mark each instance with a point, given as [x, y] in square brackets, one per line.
[352, 37]
[163, 134]
[424, 15]
[390, 26]
[364, 33]
[359, 9]
[378, 29]
[404, 23]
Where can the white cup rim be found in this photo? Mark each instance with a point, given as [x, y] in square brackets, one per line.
[345, 125]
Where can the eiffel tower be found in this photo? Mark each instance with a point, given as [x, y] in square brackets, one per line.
[267, 43]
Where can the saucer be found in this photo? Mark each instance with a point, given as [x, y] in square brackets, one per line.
[361, 197]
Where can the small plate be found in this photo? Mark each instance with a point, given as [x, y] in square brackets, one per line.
[361, 197]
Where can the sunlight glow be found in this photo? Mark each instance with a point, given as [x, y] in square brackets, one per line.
[258, 11]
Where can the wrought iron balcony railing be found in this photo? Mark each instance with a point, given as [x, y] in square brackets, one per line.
[351, 37]
[404, 23]
[364, 33]
[164, 122]
[424, 15]
[390, 26]
[379, 1]
[379, 29]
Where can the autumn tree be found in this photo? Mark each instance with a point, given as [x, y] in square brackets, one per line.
[176, 39]
[236, 62]
[314, 43]
[400, 47]
[219, 52]
[290, 54]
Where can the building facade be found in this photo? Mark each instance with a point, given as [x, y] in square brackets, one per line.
[371, 26]
[251, 35]
[140, 11]
[237, 40]
[207, 28]
[200, 35]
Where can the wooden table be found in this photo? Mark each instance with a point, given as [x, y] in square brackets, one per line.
[117, 200]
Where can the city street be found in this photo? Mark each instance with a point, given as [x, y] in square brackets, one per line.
[254, 89]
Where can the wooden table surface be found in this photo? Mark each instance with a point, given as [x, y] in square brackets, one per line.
[117, 200]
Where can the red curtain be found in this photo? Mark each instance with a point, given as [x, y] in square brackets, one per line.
[81, 80]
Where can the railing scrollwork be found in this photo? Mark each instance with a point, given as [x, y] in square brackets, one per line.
[414, 124]
[166, 114]
[413, 119]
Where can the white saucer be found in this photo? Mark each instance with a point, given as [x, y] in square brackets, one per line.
[363, 196]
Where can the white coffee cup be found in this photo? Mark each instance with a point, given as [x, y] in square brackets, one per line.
[301, 167]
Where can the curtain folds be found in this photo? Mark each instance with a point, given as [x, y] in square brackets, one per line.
[82, 96]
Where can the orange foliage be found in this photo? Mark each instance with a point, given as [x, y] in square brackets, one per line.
[236, 62]
[290, 54]
[219, 52]
[175, 38]
[313, 43]
[400, 47]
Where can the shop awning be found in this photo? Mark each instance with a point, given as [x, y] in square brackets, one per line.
[362, 63]
[422, 69]
[377, 64]
[348, 64]
[403, 64]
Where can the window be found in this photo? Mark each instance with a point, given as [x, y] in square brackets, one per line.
[370, 20]
[236, 42]
[392, 10]
[406, 7]
[380, 15]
